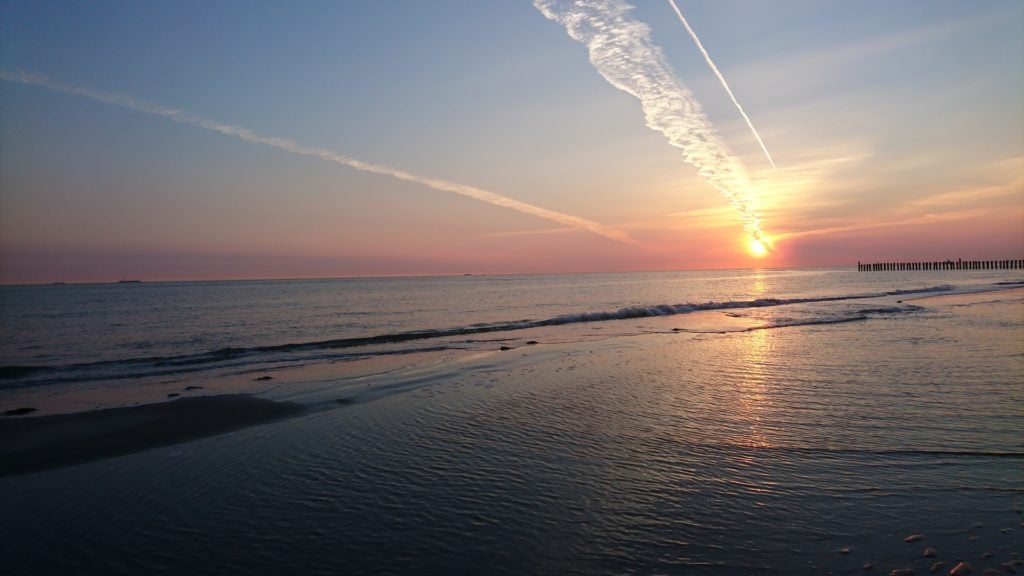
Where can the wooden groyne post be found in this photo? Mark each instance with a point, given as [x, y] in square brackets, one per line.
[942, 265]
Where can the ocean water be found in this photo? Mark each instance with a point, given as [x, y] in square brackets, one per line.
[722, 422]
[65, 333]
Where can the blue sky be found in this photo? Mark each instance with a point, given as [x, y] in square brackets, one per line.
[892, 123]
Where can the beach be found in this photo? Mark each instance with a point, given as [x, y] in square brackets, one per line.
[553, 287]
[45, 442]
[724, 441]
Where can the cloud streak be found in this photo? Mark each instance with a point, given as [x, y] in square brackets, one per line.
[931, 218]
[943, 207]
[721, 78]
[621, 50]
[247, 135]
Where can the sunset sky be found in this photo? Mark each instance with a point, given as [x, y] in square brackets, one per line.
[897, 129]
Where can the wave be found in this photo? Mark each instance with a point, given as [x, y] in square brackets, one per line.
[169, 364]
[942, 288]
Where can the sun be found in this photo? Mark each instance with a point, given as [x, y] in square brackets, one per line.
[758, 248]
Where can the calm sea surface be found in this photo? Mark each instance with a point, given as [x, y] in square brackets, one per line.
[628, 440]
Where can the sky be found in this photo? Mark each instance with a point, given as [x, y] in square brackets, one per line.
[204, 140]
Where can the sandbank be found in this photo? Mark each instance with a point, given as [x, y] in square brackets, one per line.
[29, 444]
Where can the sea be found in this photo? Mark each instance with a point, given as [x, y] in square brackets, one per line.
[777, 421]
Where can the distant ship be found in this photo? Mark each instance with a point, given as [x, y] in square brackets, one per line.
[123, 281]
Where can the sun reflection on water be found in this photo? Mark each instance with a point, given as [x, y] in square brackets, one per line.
[754, 400]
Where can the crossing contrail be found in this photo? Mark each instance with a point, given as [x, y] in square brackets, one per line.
[622, 52]
[295, 148]
[711, 64]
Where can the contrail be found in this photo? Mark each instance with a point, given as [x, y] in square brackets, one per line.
[295, 148]
[707, 58]
[622, 52]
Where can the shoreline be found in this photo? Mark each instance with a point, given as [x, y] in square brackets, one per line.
[803, 449]
[968, 297]
[52, 439]
[32, 444]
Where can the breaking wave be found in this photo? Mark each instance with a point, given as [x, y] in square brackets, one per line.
[240, 356]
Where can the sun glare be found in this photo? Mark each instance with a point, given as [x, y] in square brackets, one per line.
[757, 247]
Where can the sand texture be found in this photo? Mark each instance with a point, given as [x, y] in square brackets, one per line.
[29, 444]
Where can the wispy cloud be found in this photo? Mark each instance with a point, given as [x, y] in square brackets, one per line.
[621, 50]
[1012, 191]
[942, 207]
[721, 78]
[932, 218]
[247, 135]
[520, 233]
[797, 72]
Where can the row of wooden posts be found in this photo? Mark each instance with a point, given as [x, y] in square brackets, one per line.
[946, 265]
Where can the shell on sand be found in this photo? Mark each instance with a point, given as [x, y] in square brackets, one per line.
[937, 566]
[961, 569]
[902, 572]
[930, 552]
[913, 538]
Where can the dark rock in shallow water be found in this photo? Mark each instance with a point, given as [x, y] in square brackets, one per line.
[263, 378]
[345, 401]
[173, 395]
[193, 387]
[532, 342]
[20, 411]
[504, 348]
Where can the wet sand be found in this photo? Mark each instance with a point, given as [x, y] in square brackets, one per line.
[29, 444]
[969, 298]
